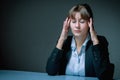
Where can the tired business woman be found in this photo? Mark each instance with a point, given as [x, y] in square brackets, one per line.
[84, 53]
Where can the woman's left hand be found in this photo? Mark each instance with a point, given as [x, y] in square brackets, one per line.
[93, 32]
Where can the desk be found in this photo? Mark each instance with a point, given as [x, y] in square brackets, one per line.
[24, 75]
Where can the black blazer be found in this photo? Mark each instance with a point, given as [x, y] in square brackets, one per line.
[96, 59]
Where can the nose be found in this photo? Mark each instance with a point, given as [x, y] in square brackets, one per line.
[77, 24]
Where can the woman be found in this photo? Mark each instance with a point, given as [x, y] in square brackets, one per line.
[83, 54]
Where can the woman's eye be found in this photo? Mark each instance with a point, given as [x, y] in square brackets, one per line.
[73, 21]
[82, 21]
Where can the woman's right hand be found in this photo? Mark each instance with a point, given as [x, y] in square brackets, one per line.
[64, 33]
[66, 26]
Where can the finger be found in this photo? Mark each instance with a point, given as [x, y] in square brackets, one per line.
[69, 21]
[66, 23]
[91, 24]
[91, 20]
[66, 19]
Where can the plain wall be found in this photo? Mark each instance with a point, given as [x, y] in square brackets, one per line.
[29, 30]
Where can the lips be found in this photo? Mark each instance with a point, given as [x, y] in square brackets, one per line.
[77, 31]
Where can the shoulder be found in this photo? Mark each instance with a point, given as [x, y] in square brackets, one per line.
[101, 37]
[67, 42]
[69, 39]
[102, 40]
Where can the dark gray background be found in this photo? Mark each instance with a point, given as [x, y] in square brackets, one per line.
[29, 30]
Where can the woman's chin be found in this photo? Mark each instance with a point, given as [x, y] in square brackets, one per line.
[77, 35]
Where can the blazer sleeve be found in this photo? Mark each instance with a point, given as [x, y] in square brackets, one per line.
[53, 63]
[57, 60]
[101, 58]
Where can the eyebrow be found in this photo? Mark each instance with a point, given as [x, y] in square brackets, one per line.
[79, 19]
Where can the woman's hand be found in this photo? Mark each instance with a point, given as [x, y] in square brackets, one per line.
[64, 33]
[93, 33]
[66, 26]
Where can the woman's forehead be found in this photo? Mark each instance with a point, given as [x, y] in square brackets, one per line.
[75, 15]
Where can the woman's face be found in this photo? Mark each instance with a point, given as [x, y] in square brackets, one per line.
[79, 26]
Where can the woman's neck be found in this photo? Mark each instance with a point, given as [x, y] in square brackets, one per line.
[79, 42]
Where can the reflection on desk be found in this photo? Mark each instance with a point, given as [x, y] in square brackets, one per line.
[24, 75]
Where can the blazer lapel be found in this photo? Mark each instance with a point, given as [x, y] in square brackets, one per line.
[89, 69]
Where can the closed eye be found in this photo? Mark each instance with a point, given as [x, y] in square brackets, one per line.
[82, 21]
[73, 21]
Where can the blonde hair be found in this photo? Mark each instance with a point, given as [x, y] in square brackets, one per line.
[84, 10]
